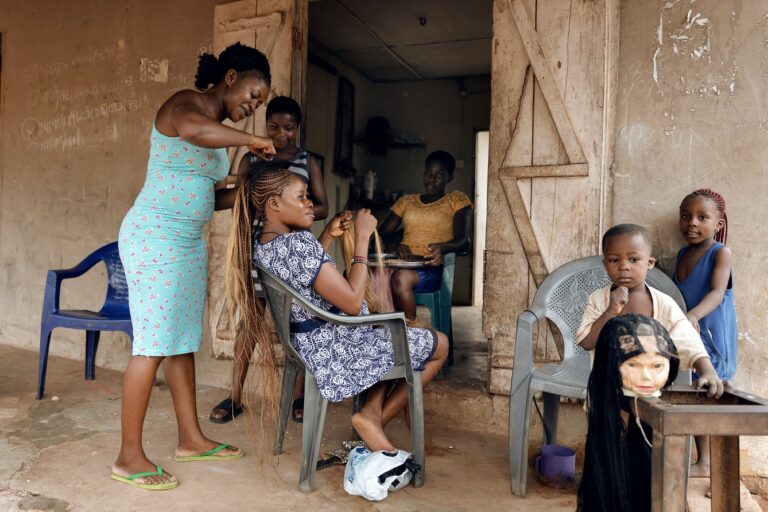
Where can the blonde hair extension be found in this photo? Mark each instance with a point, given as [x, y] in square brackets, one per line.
[373, 294]
[246, 311]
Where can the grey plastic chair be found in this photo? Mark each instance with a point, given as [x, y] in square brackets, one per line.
[561, 299]
[280, 297]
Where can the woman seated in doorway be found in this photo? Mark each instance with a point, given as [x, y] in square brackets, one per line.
[434, 224]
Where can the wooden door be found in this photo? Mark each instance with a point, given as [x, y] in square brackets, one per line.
[279, 29]
[553, 83]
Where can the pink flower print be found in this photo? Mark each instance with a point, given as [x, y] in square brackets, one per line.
[190, 160]
[173, 187]
[177, 212]
[143, 218]
[209, 156]
[164, 147]
[197, 151]
[186, 203]
[202, 165]
[152, 296]
[155, 344]
[175, 199]
[168, 282]
[153, 278]
[197, 213]
[173, 176]
[163, 237]
[148, 232]
[157, 325]
[149, 311]
[189, 178]
[145, 249]
[161, 192]
[175, 154]
[185, 149]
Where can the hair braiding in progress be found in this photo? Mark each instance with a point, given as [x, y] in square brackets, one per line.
[246, 311]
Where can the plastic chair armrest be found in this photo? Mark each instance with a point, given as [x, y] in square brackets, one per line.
[55, 277]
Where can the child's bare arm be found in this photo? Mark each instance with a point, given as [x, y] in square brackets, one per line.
[708, 377]
[317, 189]
[619, 298]
[721, 274]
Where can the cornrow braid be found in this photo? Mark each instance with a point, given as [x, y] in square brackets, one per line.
[246, 311]
[722, 234]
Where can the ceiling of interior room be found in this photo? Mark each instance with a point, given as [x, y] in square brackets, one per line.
[386, 41]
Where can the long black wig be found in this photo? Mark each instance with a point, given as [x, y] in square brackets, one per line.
[617, 459]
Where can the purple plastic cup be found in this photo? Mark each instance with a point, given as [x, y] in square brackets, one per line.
[556, 465]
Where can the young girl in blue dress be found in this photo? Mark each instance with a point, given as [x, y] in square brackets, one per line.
[344, 360]
[703, 273]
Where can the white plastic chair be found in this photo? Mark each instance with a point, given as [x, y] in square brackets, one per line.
[561, 298]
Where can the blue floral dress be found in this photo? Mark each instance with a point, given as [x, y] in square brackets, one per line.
[344, 360]
[162, 248]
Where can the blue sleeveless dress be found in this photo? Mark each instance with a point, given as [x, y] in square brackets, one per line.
[162, 247]
[719, 331]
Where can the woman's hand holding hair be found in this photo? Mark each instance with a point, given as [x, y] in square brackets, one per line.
[262, 147]
[365, 224]
[335, 228]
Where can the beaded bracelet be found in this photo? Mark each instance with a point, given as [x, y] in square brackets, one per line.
[359, 259]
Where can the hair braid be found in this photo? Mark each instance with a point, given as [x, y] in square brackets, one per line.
[246, 311]
[722, 234]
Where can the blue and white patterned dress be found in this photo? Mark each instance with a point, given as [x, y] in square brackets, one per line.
[344, 360]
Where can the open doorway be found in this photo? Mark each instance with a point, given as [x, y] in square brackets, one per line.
[420, 72]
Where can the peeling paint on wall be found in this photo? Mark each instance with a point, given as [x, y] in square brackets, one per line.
[155, 70]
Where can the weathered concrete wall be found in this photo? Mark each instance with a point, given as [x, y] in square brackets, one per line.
[81, 83]
[691, 112]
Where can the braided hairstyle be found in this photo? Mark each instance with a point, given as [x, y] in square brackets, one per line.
[246, 311]
[722, 234]
[241, 58]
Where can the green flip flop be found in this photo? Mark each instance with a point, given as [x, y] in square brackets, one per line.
[211, 455]
[131, 480]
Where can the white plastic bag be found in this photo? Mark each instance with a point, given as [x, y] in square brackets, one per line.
[373, 474]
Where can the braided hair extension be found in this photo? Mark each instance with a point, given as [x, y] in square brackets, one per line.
[246, 311]
[722, 234]
[614, 471]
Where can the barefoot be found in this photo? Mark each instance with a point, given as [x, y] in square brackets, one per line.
[699, 470]
[128, 468]
[370, 431]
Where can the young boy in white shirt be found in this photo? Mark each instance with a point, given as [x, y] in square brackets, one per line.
[627, 259]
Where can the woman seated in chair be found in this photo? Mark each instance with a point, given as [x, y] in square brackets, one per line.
[344, 360]
[434, 224]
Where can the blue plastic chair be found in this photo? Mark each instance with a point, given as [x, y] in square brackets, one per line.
[114, 315]
[439, 302]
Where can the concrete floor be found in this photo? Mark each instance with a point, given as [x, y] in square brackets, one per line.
[56, 454]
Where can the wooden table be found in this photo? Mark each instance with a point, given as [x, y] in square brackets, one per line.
[684, 411]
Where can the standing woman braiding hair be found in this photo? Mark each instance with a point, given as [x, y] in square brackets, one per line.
[164, 254]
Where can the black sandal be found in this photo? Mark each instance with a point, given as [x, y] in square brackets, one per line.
[232, 411]
[298, 405]
[333, 458]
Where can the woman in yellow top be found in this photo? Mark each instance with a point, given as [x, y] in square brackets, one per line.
[434, 224]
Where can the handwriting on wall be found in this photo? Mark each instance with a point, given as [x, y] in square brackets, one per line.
[111, 108]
